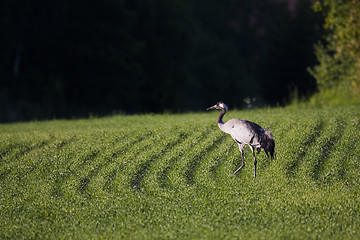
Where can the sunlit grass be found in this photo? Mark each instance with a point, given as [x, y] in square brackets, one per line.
[168, 176]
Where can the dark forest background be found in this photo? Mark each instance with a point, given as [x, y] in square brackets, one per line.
[70, 58]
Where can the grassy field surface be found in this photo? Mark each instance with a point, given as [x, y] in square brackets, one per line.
[168, 177]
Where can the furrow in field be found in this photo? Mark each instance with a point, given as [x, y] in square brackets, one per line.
[109, 151]
[65, 162]
[44, 158]
[198, 157]
[350, 164]
[162, 173]
[18, 159]
[123, 158]
[80, 160]
[300, 143]
[326, 146]
[64, 142]
[174, 176]
[7, 146]
[104, 172]
[339, 164]
[95, 147]
[145, 167]
[191, 160]
[134, 159]
[14, 146]
[317, 154]
[35, 170]
[210, 169]
[219, 158]
[18, 150]
[153, 177]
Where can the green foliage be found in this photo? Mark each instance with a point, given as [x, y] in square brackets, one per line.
[338, 71]
[168, 176]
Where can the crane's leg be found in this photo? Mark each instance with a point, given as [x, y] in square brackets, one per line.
[255, 162]
[242, 162]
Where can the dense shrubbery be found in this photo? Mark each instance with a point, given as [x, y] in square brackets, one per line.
[338, 72]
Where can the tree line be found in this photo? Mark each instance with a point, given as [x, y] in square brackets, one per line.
[71, 58]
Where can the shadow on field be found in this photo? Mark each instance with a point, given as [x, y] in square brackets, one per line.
[78, 164]
[144, 167]
[162, 176]
[193, 165]
[220, 161]
[18, 150]
[23, 148]
[326, 149]
[343, 161]
[129, 146]
[60, 180]
[292, 166]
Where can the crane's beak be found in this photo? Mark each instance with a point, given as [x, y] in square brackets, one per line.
[209, 108]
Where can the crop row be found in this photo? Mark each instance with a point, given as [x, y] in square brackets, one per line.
[168, 176]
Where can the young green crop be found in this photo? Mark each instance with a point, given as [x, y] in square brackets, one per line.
[168, 176]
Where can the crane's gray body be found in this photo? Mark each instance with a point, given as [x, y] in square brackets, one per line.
[243, 132]
[246, 133]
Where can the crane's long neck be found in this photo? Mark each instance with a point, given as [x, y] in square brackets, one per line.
[221, 123]
[220, 118]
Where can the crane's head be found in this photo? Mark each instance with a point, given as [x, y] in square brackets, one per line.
[220, 105]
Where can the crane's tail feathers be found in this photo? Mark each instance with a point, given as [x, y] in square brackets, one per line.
[268, 143]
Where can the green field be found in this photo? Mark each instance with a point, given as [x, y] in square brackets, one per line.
[168, 177]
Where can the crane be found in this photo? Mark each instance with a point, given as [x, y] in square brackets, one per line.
[246, 133]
